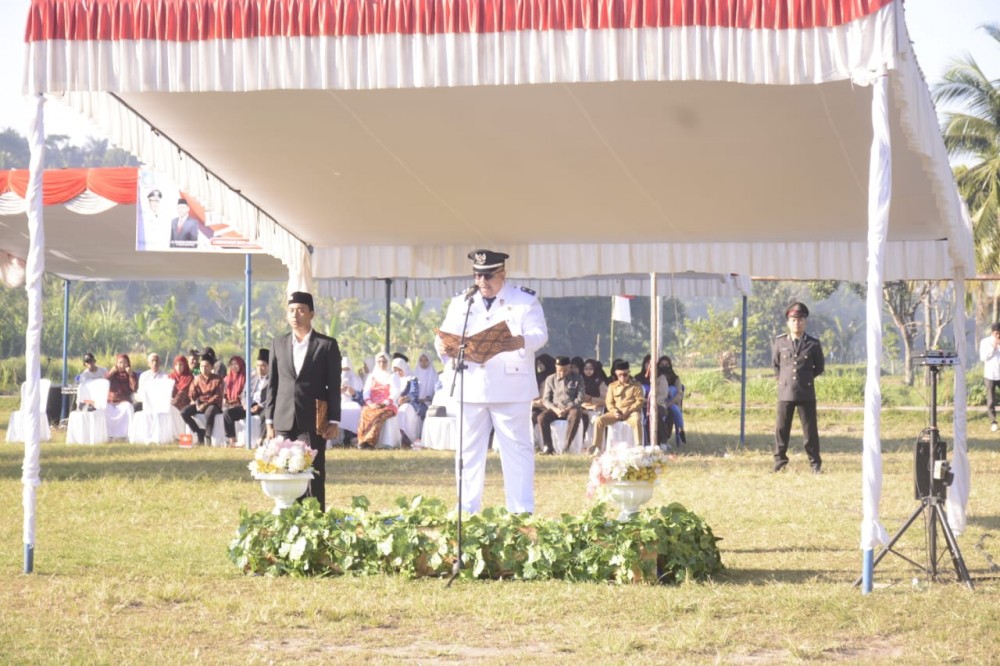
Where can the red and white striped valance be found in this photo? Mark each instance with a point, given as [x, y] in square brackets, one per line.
[63, 185]
[200, 20]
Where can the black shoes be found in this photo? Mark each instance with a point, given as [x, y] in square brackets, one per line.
[780, 465]
[817, 470]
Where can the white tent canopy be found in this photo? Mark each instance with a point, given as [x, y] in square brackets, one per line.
[771, 138]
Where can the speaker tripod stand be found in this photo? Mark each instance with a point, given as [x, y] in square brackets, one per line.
[931, 478]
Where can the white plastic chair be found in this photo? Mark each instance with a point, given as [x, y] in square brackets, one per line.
[390, 438]
[620, 433]
[559, 428]
[17, 428]
[90, 427]
[156, 423]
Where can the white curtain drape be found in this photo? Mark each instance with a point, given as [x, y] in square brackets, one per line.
[958, 492]
[35, 271]
[879, 196]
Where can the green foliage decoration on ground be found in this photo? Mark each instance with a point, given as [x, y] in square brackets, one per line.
[667, 544]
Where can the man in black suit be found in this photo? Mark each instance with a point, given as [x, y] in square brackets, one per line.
[305, 367]
[798, 361]
[184, 227]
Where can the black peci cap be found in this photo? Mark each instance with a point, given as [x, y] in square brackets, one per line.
[797, 310]
[302, 297]
[485, 261]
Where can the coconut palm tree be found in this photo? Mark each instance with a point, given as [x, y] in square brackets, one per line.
[972, 135]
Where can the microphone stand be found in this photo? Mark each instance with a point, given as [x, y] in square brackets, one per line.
[459, 377]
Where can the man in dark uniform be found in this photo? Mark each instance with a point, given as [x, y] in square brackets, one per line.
[305, 367]
[798, 360]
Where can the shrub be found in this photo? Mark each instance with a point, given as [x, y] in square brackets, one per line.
[419, 538]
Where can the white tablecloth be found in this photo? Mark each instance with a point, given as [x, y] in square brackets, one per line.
[440, 433]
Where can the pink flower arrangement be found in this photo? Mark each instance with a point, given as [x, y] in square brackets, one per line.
[282, 456]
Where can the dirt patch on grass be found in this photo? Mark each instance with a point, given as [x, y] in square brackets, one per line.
[421, 651]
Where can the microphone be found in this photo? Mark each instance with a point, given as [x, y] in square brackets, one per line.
[470, 292]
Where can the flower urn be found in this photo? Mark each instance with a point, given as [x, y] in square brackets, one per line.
[630, 496]
[284, 487]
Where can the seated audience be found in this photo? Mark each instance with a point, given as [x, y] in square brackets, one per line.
[206, 398]
[122, 385]
[233, 409]
[562, 397]
[409, 409]
[258, 387]
[427, 378]
[624, 402]
[545, 365]
[182, 377]
[675, 398]
[595, 384]
[380, 393]
[194, 361]
[153, 372]
[351, 399]
[576, 366]
[91, 371]
[218, 367]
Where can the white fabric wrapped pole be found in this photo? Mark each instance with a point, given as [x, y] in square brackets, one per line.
[654, 352]
[879, 195]
[958, 491]
[34, 272]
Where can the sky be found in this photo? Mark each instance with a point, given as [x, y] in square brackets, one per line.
[941, 31]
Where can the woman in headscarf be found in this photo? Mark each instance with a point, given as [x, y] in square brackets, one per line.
[180, 398]
[232, 408]
[675, 396]
[427, 378]
[545, 365]
[122, 384]
[643, 375]
[380, 394]
[182, 377]
[409, 409]
[595, 382]
[351, 399]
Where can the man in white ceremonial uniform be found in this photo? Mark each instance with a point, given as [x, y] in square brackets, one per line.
[497, 392]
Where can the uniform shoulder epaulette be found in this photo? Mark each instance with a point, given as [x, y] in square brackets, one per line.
[528, 291]
[783, 335]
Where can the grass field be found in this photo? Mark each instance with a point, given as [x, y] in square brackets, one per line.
[131, 565]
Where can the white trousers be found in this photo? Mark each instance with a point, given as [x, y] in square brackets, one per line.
[511, 422]
[118, 415]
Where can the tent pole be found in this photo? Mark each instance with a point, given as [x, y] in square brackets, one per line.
[34, 273]
[247, 295]
[654, 351]
[65, 367]
[388, 310]
[879, 198]
[743, 379]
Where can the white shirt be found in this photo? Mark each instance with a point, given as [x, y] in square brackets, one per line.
[145, 377]
[299, 350]
[87, 375]
[990, 356]
[507, 376]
